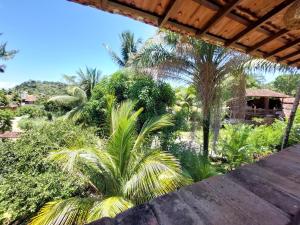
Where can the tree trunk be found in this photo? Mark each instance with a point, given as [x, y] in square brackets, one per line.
[291, 119]
[206, 124]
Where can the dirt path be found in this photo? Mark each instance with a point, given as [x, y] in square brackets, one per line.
[14, 125]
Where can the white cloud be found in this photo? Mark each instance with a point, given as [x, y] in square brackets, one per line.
[7, 84]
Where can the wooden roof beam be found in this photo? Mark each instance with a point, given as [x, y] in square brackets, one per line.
[267, 40]
[173, 5]
[231, 15]
[260, 21]
[294, 62]
[289, 56]
[289, 45]
[216, 18]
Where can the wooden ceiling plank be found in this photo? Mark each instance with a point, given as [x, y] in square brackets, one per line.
[267, 40]
[288, 45]
[260, 21]
[289, 56]
[173, 6]
[220, 15]
[294, 62]
[232, 15]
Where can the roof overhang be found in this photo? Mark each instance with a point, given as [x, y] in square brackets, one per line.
[254, 27]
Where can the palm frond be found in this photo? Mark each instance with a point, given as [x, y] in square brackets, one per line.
[155, 173]
[64, 100]
[109, 207]
[68, 212]
[114, 56]
[150, 126]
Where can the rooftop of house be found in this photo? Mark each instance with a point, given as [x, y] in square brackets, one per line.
[264, 193]
[265, 93]
[10, 134]
[30, 98]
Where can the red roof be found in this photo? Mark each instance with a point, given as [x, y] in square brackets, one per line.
[265, 93]
[30, 98]
[10, 134]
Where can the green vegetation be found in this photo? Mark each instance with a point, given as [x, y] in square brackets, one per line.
[40, 88]
[5, 120]
[287, 83]
[5, 55]
[28, 179]
[121, 172]
[96, 146]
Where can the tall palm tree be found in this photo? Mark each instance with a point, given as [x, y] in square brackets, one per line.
[129, 46]
[76, 99]
[5, 55]
[193, 61]
[86, 80]
[121, 173]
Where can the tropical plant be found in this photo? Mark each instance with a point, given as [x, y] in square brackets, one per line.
[193, 163]
[129, 46]
[234, 145]
[3, 99]
[76, 100]
[192, 61]
[287, 83]
[5, 120]
[86, 80]
[121, 172]
[28, 180]
[32, 111]
[5, 55]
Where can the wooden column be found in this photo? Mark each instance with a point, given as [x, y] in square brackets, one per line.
[267, 100]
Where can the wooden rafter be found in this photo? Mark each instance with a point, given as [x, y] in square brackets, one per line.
[174, 5]
[267, 40]
[231, 15]
[216, 18]
[260, 21]
[294, 62]
[289, 45]
[289, 56]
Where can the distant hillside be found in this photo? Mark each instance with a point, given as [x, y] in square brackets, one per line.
[40, 88]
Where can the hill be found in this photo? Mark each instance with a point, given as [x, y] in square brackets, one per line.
[41, 88]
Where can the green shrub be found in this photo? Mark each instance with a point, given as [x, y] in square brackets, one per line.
[28, 180]
[29, 123]
[31, 110]
[234, 144]
[267, 137]
[5, 120]
[192, 162]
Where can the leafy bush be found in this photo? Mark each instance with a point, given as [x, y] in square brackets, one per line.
[31, 110]
[5, 120]
[27, 179]
[28, 123]
[3, 99]
[234, 144]
[192, 162]
[267, 137]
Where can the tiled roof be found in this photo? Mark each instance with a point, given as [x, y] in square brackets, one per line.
[265, 93]
[264, 193]
[30, 98]
[10, 134]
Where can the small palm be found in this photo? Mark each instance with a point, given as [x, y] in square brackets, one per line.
[122, 172]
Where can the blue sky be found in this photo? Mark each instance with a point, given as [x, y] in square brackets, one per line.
[56, 37]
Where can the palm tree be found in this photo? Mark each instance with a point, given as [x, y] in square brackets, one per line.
[76, 99]
[87, 79]
[129, 46]
[120, 173]
[5, 55]
[190, 60]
